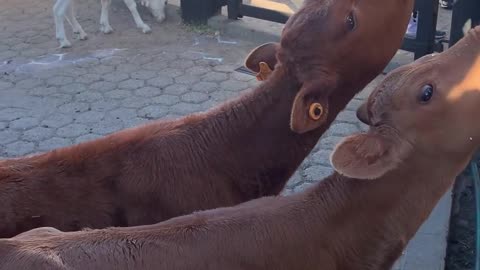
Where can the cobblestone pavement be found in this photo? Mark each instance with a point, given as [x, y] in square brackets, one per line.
[51, 98]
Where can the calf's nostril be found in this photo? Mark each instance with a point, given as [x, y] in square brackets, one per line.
[362, 114]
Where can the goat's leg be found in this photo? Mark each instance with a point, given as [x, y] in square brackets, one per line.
[104, 22]
[59, 10]
[132, 6]
[72, 20]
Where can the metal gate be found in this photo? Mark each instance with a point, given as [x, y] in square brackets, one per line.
[424, 43]
[261, 9]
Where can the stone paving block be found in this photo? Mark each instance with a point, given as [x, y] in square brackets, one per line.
[29, 83]
[88, 78]
[155, 65]
[143, 74]
[207, 105]
[53, 143]
[166, 99]
[136, 102]
[24, 123]
[347, 116]
[19, 148]
[354, 104]
[73, 71]
[194, 97]
[89, 117]
[131, 84]
[224, 68]
[302, 187]
[59, 80]
[342, 129]
[86, 138]
[187, 79]
[123, 113]
[206, 87]
[141, 60]
[8, 136]
[322, 157]
[222, 95]
[88, 97]
[176, 89]
[102, 69]
[438, 221]
[295, 180]
[102, 86]
[5, 85]
[424, 252]
[113, 61]
[135, 122]
[127, 68]
[104, 105]
[317, 172]
[115, 76]
[72, 130]
[153, 112]
[57, 120]
[242, 77]
[43, 91]
[106, 126]
[160, 81]
[10, 114]
[329, 142]
[233, 85]
[197, 70]
[87, 63]
[38, 134]
[171, 72]
[74, 107]
[182, 64]
[183, 108]
[118, 94]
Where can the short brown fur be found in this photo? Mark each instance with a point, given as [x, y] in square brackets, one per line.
[340, 223]
[238, 151]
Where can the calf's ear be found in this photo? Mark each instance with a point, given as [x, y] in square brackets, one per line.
[368, 156]
[310, 107]
[262, 60]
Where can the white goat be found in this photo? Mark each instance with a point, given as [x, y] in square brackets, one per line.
[65, 9]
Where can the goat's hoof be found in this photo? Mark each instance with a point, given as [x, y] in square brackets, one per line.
[65, 44]
[146, 29]
[81, 36]
[106, 29]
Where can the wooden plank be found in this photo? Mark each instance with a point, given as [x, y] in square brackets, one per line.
[297, 3]
[272, 6]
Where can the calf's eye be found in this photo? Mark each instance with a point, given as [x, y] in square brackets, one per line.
[426, 94]
[350, 22]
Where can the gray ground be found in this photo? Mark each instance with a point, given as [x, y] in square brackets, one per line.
[51, 98]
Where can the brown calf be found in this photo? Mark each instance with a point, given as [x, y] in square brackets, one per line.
[423, 131]
[238, 151]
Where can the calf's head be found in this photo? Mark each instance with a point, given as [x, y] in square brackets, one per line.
[333, 49]
[430, 107]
